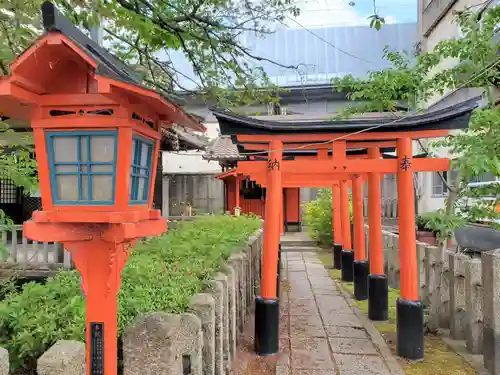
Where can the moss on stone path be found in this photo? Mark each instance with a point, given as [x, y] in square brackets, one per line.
[440, 359]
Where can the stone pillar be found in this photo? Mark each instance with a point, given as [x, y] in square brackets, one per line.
[433, 274]
[178, 338]
[393, 261]
[63, 358]
[203, 305]
[231, 289]
[474, 306]
[491, 310]
[457, 295]
[421, 272]
[4, 361]
[222, 324]
[444, 311]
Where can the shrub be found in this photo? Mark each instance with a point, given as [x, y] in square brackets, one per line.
[162, 275]
[440, 223]
[318, 217]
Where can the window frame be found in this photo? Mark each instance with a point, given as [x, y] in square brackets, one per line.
[50, 136]
[136, 175]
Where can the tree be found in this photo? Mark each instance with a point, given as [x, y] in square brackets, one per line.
[144, 33]
[475, 151]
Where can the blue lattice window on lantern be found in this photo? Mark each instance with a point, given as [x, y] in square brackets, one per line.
[140, 170]
[82, 167]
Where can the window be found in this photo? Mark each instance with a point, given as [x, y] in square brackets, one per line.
[82, 167]
[140, 170]
[438, 186]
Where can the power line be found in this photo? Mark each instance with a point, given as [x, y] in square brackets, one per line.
[330, 44]
[478, 75]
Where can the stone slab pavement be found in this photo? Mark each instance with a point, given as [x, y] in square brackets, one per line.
[320, 333]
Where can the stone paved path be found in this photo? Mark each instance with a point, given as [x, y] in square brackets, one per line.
[320, 334]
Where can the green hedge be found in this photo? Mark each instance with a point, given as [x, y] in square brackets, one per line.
[318, 217]
[162, 275]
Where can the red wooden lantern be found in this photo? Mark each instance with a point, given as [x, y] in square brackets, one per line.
[97, 133]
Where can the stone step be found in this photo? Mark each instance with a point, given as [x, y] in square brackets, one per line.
[298, 243]
[298, 249]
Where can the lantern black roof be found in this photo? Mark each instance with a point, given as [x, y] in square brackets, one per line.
[452, 117]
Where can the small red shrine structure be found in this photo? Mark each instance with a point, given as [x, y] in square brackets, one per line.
[97, 135]
[266, 156]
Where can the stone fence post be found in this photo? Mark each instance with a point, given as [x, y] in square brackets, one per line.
[457, 295]
[203, 305]
[433, 271]
[444, 311]
[393, 261]
[421, 273]
[491, 310]
[63, 358]
[4, 362]
[474, 306]
[163, 344]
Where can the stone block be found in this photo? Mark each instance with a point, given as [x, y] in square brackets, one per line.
[474, 306]
[63, 358]
[421, 272]
[231, 290]
[222, 353]
[433, 274]
[236, 261]
[203, 305]
[393, 262]
[4, 362]
[457, 295]
[444, 310]
[491, 310]
[163, 344]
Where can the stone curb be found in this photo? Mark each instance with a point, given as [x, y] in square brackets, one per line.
[377, 339]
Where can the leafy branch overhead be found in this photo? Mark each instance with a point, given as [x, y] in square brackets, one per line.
[415, 81]
[146, 33]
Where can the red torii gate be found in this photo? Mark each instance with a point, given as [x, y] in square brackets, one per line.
[274, 138]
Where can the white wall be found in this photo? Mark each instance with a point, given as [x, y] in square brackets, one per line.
[191, 161]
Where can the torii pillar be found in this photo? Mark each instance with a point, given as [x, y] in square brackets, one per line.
[360, 265]
[267, 311]
[347, 255]
[378, 299]
[410, 312]
[337, 226]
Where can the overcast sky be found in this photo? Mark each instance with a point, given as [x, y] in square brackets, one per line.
[320, 13]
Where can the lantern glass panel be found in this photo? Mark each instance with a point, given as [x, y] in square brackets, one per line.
[140, 170]
[82, 167]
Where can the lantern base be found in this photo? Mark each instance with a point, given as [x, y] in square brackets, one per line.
[85, 214]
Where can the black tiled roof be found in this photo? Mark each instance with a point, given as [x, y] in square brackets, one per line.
[453, 117]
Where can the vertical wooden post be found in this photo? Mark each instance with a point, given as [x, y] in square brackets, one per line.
[337, 226]
[378, 304]
[410, 312]
[360, 265]
[237, 193]
[267, 305]
[347, 255]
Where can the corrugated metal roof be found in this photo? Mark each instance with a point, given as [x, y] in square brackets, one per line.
[319, 61]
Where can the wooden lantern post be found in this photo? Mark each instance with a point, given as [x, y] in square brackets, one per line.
[97, 140]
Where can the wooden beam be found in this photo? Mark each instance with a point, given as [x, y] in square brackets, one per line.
[365, 136]
[321, 146]
[386, 166]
